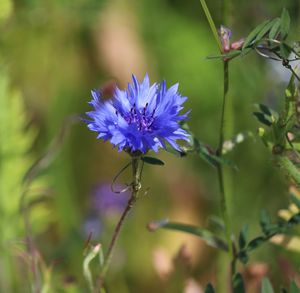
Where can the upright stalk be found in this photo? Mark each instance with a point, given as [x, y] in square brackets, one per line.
[221, 175]
[136, 185]
[224, 208]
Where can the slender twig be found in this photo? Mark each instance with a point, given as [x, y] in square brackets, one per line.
[211, 24]
[136, 186]
[31, 249]
[224, 210]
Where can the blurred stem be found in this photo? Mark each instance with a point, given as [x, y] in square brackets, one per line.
[224, 207]
[31, 249]
[136, 186]
[222, 178]
[211, 24]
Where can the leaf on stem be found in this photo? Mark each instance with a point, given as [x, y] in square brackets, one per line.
[238, 284]
[285, 23]
[262, 118]
[264, 220]
[230, 55]
[275, 30]
[243, 237]
[210, 238]
[152, 161]
[209, 289]
[253, 34]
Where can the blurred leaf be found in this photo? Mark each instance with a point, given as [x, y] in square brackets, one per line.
[253, 34]
[230, 55]
[238, 284]
[285, 23]
[275, 29]
[266, 286]
[253, 244]
[152, 161]
[216, 223]
[265, 30]
[245, 51]
[264, 220]
[210, 238]
[265, 109]
[243, 237]
[262, 118]
[94, 251]
[294, 288]
[209, 289]
[243, 256]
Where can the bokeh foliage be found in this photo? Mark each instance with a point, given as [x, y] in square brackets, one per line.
[51, 54]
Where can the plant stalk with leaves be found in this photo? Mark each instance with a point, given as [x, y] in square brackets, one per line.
[137, 164]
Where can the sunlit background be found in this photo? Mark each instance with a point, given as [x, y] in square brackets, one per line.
[52, 53]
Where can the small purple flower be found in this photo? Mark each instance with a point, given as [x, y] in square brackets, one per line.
[107, 202]
[144, 117]
[225, 36]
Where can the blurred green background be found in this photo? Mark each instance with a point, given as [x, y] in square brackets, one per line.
[52, 53]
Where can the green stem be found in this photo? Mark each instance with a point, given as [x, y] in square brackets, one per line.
[289, 168]
[211, 24]
[136, 185]
[224, 208]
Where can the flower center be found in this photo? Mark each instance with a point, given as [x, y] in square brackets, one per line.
[142, 118]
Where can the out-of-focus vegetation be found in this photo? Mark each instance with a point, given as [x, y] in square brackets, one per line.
[52, 53]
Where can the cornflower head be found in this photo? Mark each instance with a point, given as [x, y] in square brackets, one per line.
[144, 117]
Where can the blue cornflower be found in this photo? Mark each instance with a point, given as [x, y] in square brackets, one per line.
[144, 117]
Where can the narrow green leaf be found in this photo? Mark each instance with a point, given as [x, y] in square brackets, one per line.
[266, 286]
[238, 284]
[243, 237]
[243, 257]
[285, 23]
[262, 118]
[152, 161]
[253, 34]
[265, 30]
[230, 55]
[267, 226]
[253, 244]
[264, 220]
[275, 29]
[245, 52]
[265, 109]
[209, 289]
[210, 238]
